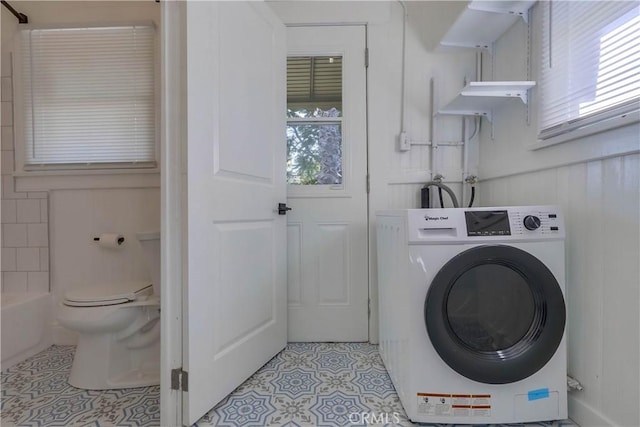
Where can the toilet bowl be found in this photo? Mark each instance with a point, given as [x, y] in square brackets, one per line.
[118, 326]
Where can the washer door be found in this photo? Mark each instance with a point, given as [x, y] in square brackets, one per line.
[495, 314]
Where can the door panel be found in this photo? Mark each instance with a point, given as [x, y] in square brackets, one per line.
[234, 319]
[294, 263]
[328, 275]
[248, 285]
[333, 264]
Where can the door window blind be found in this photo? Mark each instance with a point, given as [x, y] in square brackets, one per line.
[590, 64]
[89, 97]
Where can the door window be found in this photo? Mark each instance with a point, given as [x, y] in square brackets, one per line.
[314, 120]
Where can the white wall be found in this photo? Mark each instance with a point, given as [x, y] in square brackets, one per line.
[596, 182]
[79, 215]
[55, 240]
[396, 177]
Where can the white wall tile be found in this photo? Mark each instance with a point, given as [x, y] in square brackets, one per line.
[8, 189]
[38, 281]
[44, 259]
[7, 163]
[14, 282]
[7, 114]
[7, 92]
[28, 211]
[8, 259]
[7, 138]
[44, 210]
[14, 235]
[8, 211]
[28, 259]
[37, 235]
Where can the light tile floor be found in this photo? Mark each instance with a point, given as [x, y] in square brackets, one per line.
[305, 385]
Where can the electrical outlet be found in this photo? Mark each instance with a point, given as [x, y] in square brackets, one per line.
[403, 142]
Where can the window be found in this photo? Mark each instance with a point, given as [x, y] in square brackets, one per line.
[314, 120]
[87, 97]
[590, 75]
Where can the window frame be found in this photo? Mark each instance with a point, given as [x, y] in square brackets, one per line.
[64, 176]
[325, 190]
[609, 119]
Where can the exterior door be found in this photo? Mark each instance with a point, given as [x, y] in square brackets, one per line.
[327, 190]
[235, 314]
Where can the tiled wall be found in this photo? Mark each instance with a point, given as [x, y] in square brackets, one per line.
[25, 230]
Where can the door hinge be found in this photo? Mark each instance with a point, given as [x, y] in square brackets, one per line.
[366, 57]
[368, 183]
[369, 308]
[179, 379]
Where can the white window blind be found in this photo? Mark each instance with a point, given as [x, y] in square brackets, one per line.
[89, 97]
[590, 65]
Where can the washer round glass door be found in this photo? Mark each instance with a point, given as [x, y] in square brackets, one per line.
[495, 314]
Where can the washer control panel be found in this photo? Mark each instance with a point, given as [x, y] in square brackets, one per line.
[540, 220]
[485, 224]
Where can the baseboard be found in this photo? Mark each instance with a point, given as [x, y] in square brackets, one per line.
[63, 336]
[586, 416]
[23, 355]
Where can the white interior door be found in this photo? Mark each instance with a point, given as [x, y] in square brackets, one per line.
[327, 175]
[235, 297]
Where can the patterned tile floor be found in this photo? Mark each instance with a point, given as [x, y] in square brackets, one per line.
[305, 385]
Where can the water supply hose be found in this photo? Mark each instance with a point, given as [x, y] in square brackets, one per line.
[425, 189]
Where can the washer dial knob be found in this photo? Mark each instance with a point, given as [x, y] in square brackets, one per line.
[531, 222]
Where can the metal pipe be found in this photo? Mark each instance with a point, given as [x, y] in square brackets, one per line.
[22, 18]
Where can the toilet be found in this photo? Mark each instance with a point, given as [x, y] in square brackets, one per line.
[118, 326]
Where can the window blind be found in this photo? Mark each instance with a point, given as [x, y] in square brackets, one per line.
[590, 63]
[89, 96]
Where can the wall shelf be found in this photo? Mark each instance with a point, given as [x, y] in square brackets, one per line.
[483, 22]
[480, 98]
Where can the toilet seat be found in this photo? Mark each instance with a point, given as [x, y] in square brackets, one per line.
[108, 294]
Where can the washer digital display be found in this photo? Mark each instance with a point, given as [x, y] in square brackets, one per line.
[487, 223]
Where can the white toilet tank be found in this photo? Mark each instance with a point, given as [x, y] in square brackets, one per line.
[150, 243]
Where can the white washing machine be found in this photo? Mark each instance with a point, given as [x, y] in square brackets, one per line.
[472, 313]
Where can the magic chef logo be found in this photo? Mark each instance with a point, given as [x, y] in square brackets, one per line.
[436, 218]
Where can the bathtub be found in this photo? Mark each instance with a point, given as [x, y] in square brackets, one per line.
[26, 326]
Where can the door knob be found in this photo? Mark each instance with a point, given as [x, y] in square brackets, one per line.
[283, 208]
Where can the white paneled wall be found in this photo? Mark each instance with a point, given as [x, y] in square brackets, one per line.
[596, 181]
[24, 216]
[601, 203]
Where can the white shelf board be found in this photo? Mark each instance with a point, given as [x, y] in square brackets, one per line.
[480, 98]
[483, 22]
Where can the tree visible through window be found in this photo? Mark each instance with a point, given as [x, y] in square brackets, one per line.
[314, 120]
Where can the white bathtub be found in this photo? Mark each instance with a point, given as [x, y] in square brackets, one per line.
[26, 326]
